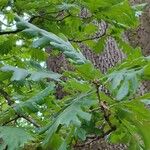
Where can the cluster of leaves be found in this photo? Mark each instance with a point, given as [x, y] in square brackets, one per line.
[30, 111]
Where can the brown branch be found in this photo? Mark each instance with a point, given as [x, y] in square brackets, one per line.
[97, 85]
[31, 20]
[50, 18]
[87, 39]
[103, 105]
[29, 119]
[91, 38]
[63, 18]
[14, 119]
[17, 30]
[10, 102]
[11, 32]
[6, 96]
[106, 114]
[95, 138]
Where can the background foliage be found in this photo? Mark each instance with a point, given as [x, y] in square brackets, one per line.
[30, 111]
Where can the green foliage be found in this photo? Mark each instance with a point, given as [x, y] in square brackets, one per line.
[123, 79]
[35, 30]
[136, 118]
[5, 46]
[20, 74]
[55, 41]
[8, 134]
[31, 105]
[70, 115]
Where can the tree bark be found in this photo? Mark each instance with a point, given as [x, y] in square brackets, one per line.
[140, 37]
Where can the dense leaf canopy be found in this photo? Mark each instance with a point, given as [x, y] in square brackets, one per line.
[31, 116]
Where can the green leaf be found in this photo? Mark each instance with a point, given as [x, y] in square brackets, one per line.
[7, 115]
[38, 55]
[5, 75]
[73, 85]
[134, 145]
[81, 133]
[63, 37]
[99, 47]
[90, 29]
[135, 117]
[129, 76]
[36, 76]
[146, 101]
[70, 52]
[66, 6]
[41, 42]
[55, 41]
[56, 142]
[122, 14]
[147, 71]
[29, 33]
[3, 4]
[123, 90]
[6, 46]
[143, 131]
[70, 115]
[63, 146]
[31, 105]
[13, 138]
[139, 7]
[117, 80]
[88, 72]
[20, 74]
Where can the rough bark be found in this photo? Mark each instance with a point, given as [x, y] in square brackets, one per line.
[141, 36]
[103, 145]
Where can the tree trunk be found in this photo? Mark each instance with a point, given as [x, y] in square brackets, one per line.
[141, 37]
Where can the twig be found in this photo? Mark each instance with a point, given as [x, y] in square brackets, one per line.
[97, 85]
[17, 30]
[63, 17]
[87, 39]
[106, 114]
[10, 102]
[103, 105]
[26, 118]
[32, 19]
[6, 96]
[14, 119]
[93, 110]
[96, 138]
[29, 119]
[90, 38]
[11, 32]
